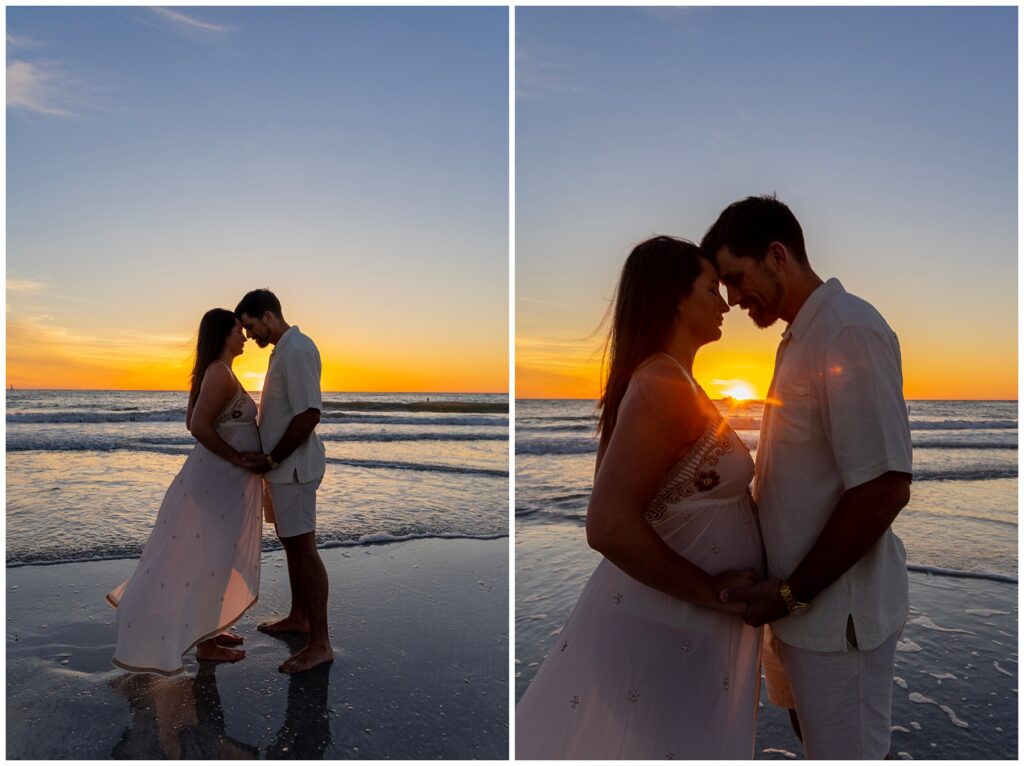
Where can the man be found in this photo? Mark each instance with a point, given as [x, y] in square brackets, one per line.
[833, 470]
[293, 467]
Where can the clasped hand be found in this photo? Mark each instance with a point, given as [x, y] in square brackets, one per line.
[256, 462]
[758, 602]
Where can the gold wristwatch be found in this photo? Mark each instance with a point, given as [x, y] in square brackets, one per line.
[273, 463]
[792, 605]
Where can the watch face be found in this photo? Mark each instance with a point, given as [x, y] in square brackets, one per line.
[800, 608]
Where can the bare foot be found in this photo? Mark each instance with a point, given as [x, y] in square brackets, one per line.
[287, 625]
[210, 651]
[307, 659]
[229, 637]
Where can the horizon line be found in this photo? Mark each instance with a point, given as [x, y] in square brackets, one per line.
[756, 401]
[259, 390]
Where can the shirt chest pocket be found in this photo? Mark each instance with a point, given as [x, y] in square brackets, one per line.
[795, 414]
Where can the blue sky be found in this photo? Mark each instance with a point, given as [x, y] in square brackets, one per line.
[891, 133]
[162, 161]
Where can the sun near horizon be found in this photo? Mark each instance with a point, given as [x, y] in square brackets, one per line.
[744, 375]
[46, 362]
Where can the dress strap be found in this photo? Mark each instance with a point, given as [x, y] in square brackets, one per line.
[689, 377]
[238, 383]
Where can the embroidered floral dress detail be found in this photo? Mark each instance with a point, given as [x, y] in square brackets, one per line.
[694, 472]
[236, 408]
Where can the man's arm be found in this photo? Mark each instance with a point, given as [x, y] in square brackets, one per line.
[299, 429]
[295, 435]
[860, 518]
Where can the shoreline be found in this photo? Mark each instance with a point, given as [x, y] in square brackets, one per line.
[376, 538]
[419, 628]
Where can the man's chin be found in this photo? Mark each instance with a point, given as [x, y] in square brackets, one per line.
[763, 320]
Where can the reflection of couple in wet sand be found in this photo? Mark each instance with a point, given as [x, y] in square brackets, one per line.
[661, 656]
[200, 569]
[182, 718]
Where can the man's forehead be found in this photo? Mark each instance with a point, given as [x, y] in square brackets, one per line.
[731, 265]
[246, 319]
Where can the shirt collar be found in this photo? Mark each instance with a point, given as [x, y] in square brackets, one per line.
[284, 338]
[811, 306]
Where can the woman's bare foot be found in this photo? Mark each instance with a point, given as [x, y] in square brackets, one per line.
[229, 637]
[288, 624]
[210, 651]
[307, 659]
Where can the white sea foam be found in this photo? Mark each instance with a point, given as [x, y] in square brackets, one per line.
[925, 622]
[1001, 669]
[922, 700]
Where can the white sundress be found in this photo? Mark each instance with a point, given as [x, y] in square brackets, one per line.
[637, 673]
[200, 569]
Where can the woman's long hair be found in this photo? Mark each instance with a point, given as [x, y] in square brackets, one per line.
[656, 276]
[214, 329]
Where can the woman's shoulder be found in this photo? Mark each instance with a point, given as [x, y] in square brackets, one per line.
[219, 375]
[661, 389]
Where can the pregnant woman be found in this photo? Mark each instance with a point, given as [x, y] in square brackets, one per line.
[651, 663]
[200, 570]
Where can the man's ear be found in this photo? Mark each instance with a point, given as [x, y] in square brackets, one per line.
[777, 257]
[268, 316]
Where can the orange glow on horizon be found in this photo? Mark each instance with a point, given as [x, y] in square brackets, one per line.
[724, 374]
[37, 360]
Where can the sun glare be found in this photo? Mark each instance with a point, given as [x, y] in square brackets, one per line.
[739, 391]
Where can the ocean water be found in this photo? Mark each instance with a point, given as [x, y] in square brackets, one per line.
[86, 470]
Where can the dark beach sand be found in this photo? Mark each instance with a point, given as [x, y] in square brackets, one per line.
[955, 695]
[421, 633]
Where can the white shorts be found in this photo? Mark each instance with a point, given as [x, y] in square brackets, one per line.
[291, 507]
[843, 699]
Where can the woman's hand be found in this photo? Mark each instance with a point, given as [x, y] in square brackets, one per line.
[734, 578]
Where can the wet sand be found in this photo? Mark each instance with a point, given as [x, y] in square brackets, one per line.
[420, 629]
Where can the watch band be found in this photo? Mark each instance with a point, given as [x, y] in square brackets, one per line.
[793, 606]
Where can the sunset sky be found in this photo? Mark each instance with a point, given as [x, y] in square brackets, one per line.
[162, 162]
[890, 132]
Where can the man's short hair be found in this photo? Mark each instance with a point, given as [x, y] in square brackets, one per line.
[256, 302]
[749, 226]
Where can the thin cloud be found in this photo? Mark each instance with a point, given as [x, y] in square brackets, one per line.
[21, 41]
[544, 74]
[188, 22]
[44, 87]
[24, 285]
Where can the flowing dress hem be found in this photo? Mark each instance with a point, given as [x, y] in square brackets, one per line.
[181, 668]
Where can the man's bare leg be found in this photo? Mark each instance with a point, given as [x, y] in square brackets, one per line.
[794, 721]
[297, 620]
[314, 588]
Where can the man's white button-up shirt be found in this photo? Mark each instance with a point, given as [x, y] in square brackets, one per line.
[291, 387]
[835, 418]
